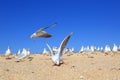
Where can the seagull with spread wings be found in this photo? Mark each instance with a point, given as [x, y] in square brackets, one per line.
[57, 56]
[42, 33]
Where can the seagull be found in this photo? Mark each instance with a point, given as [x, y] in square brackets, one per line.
[57, 56]
[25, 53]
[107, 48]
[8, 52]
[45, 52]
[115, 48]
[42, 33]
[18, 53]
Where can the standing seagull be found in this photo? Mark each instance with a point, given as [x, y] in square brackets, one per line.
[41, 33]
[58, 55]
[8, 52]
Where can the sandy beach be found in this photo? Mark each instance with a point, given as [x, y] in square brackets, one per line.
[76, 67]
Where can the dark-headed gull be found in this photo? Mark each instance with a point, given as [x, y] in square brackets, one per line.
[57, 56]
[42, 33]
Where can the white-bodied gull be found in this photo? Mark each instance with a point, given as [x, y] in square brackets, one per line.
[107, 48]
[18, 53]
[25, 53]
[82, 49]
[115, 48]
[57, 56]
[8, 52]
[45, 52]
[42, 33]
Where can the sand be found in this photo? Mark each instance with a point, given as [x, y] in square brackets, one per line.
[76, 67]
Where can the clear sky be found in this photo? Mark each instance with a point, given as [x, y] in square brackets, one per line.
[93, 22]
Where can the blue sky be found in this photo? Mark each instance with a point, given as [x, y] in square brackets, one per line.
[93, 22]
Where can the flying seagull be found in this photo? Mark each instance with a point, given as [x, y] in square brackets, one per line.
[57, 56]
[42, 33]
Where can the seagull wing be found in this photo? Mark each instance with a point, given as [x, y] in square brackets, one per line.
[63, 44]
[41, 29]
[51, 51]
